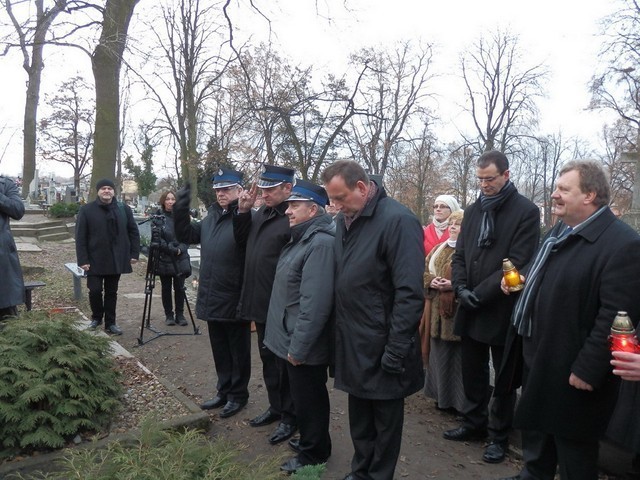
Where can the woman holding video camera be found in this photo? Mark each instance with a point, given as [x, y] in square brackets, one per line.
[174, 264]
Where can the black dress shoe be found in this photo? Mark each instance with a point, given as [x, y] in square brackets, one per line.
[215, 402]
[231, 408]
[495, 452]
[291, 466]
[113, 330]
[462, 434]
[284, 432]
[95, 323]
[294, 444]
[264, 419]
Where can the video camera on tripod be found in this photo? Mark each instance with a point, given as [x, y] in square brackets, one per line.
[158, 244]
[157, 227]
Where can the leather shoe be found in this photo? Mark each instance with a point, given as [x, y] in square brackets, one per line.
[95, 324]
[264, 419]
[215, 402]
[462, 434]
[231, 408]
[495, 452]
[113, 330]
[291, 466]
[294, 444]
[282, 433]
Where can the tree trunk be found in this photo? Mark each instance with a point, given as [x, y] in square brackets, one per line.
[106, 62]
[30, 120]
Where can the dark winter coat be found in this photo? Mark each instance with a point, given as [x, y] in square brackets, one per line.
[169, 261]
[379, 300]
[298, 322]
[11, 206]
[517, 233]
[95, 246]
[264, 232]
[221, 261]
[590, 277]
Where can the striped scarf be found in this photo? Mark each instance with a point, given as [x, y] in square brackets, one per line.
[521, 317]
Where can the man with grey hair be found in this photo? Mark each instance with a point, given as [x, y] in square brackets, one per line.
[584, 272]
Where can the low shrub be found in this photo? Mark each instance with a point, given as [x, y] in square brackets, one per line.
[162, 455]
[63, 210]
[55, 381]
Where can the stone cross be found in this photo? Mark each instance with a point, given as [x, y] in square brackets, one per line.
[634, 157]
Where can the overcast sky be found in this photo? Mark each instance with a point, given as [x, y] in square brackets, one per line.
[561, 33]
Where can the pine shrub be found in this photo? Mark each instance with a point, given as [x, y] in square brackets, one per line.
[63, 210]
[158, 454]
[55, 381]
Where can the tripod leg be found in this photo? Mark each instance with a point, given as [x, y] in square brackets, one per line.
[150, 280]
[196, 329]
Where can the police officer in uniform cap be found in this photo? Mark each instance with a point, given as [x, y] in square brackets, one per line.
[265, 231]
[302, 295]
[220, 283]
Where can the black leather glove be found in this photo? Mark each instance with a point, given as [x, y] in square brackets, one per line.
[467, 298]
[392, 362]
[183, 198]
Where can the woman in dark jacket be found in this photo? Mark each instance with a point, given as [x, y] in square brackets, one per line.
[174, 264]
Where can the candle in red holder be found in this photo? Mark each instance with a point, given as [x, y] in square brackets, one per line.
[623, 335]
[511, 276]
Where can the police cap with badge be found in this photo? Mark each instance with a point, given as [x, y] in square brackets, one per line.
[272, 176]
[304, 191]
[227, 177]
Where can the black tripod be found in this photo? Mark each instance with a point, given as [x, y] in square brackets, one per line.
[150, 283]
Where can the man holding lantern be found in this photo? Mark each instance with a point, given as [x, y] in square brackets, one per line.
[585, 271]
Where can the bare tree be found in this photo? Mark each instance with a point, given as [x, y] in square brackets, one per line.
[392, 91]
[501, 91]
[67, 133]
[414, 175]
[459, 169]
[186, 76]
[617, 86]
[32, 37]
[294, 121]
[106, 62]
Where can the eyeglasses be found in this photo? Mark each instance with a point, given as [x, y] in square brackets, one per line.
[441, 207]
[487, 179]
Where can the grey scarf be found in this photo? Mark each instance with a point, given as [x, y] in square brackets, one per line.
[521, 317]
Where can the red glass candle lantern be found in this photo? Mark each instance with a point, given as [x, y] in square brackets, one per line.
[623, 335]
[511, 276]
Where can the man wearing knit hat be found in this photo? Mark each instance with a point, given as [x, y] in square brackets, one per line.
[107, 244]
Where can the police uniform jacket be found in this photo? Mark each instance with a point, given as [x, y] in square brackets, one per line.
[264, 232]
[11, 206]
[221, 260]
[302, 296]
[379, 300]
[587, 280]
[517, 232]
[98, 245]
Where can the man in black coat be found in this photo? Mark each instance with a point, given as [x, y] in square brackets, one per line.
[220, 282]
[107, 244]
[265, 231]
[378, 305]
[585, 271]
[500, 224]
